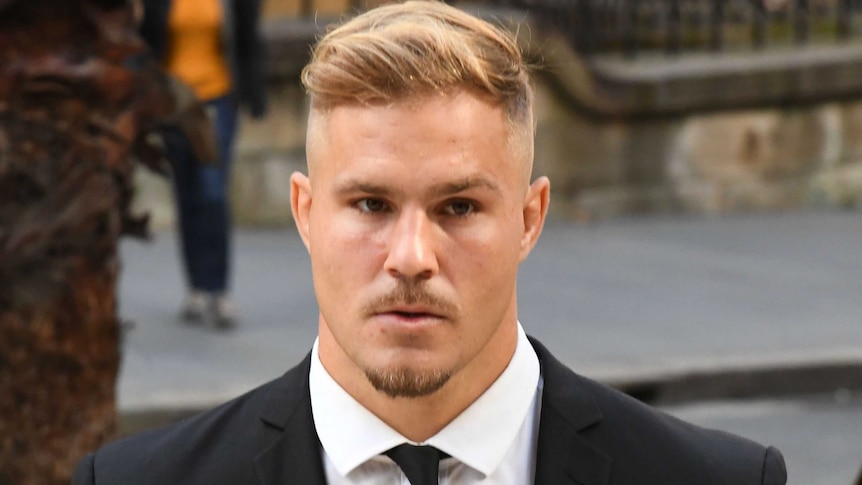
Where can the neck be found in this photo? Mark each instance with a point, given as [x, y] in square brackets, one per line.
[418, 419]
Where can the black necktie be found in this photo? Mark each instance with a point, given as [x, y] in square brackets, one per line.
[419, 463]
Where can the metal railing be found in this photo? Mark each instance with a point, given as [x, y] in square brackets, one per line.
[632, 27]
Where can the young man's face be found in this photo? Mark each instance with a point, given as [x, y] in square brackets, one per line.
[416, 217]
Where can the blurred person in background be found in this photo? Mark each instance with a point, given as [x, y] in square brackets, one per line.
[213, 46]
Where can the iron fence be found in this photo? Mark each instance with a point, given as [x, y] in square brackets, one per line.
[632, 27]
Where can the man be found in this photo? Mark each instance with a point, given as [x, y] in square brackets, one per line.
[417, 211]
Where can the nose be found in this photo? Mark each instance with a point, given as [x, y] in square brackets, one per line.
[412, 253]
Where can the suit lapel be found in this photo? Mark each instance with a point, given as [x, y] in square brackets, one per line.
[291, 449]
[290, 446]
[563, 454]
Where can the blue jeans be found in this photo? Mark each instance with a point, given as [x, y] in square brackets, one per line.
[203, 207]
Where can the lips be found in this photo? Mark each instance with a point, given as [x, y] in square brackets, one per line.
[411, 313]
[408, 315]
[409, 304]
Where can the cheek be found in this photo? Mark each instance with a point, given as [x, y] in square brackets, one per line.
[344, 250]
[483, 261]
[343, 267]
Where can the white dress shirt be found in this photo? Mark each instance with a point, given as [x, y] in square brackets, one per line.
[493, 442]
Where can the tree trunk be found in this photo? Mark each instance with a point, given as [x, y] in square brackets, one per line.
[58, 366]
[78, 100]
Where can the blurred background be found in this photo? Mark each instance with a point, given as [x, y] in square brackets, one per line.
[702, 254]
[650, 107]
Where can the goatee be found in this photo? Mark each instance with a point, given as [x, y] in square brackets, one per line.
[407, 383]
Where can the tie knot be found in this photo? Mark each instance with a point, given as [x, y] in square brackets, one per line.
[419, 463]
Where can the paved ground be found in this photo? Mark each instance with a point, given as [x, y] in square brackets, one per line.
[619, 300]
[820, 437]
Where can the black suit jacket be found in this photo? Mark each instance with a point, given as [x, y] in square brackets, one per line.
[589, 434]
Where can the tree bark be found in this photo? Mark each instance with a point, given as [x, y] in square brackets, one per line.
[79, 99]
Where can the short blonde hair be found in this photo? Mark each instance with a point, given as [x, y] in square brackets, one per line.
[402, 50]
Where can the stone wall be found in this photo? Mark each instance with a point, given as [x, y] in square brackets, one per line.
[711, 163]
[714, 163]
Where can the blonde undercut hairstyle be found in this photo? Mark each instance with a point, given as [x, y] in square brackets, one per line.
[405, 50]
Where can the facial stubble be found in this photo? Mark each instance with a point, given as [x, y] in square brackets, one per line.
[405, 381]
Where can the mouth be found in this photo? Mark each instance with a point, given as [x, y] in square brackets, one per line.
[410, 315]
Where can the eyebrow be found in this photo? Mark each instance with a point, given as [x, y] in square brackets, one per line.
[468, 183]
[352, 186]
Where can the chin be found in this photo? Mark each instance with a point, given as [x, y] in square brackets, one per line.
[407, 382]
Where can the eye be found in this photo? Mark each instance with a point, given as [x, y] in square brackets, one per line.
[461, 208]
[371, 205]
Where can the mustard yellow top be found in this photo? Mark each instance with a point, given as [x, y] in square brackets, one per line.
[196, 56]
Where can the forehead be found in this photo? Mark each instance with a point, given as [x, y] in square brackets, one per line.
[413, 147]
[438, 123]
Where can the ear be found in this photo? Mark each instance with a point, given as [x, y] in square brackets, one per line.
[300, 204]
[535, 210]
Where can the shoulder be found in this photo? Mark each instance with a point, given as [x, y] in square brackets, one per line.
[642, 437]
[637, 430]
[215, 447]
[651, 446]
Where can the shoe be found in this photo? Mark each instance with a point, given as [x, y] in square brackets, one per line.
[194, 308]
[224, 312]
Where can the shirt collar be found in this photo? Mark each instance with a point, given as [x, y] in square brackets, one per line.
[479, 437]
